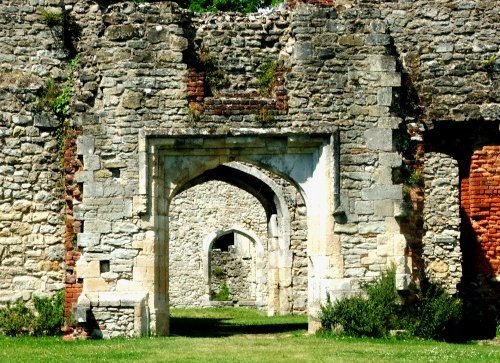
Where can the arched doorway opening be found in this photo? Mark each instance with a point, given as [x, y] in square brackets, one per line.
[232, 271]
[306, 161]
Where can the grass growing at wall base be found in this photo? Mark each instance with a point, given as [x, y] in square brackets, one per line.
[244, 343]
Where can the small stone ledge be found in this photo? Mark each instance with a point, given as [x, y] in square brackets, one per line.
[117, 299]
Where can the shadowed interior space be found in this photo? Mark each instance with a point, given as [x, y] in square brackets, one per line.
[223, 322]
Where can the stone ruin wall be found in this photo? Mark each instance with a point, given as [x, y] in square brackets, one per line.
[342, 69]
[441, 242]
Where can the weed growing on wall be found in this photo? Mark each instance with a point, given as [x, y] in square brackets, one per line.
[215, 77]
[264, 116]
[52, 18]
[243, 6]
[266, 75]
[488, 63]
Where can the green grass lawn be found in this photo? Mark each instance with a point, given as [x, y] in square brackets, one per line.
[238, 335]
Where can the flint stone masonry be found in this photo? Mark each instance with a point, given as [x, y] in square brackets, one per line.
[441, 240]
[145, 124]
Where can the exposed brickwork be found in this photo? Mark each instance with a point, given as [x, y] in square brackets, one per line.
[228, 103]
[481, 202]
[72, 194]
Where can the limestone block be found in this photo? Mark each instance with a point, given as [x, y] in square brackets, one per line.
[373, 227]
[392, 225]
[382, 175]
[55, 253]
[95, 284]
[401, 264]
[43, 119]
[363, 207]
[379, 63]
[91, 162]
[97, 226]
[399, 243]
[88, 239]
[145, 261]
[303, 51]
[384, 96]
[109, 299]
[25, 283]
[131, 100]
[125, 227]
[128, 286]
[336, 267]
[438, 267]
[390, 159]
[89, 269]
[347, 228]
[123, 253]
[379, 192]
[402, 281]
[49, 266]
[379, 139]
[121, 32]
[389, 79]
[384, 208]
[85, 145]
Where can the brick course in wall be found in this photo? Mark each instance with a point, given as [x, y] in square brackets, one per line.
[481, 202]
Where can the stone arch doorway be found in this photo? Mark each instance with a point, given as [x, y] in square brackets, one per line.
[281, 285]
[236, 258]
[199, 216]
[170, 162]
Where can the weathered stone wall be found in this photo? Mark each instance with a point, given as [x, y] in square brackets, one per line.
[140, 71]
[441, 240]
[31, 184]
[450, 51]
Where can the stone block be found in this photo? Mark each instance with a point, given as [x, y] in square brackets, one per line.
[84, 176]
[363, 207]
[399, 243]
[390, 159]
[373, 227]
[88, 239]
[379, 139]
[124, 253]
[303, 51]
[384, 96]
[381, 63]
[91, 162]
[389, 122]
[97, 226]
[95, 284]
[352, 40]
[26, 283]
[389, 79]
[347, 228]
[402, 282]
[85, 145]
[43, 119]
[384, 208]
[379, 192]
